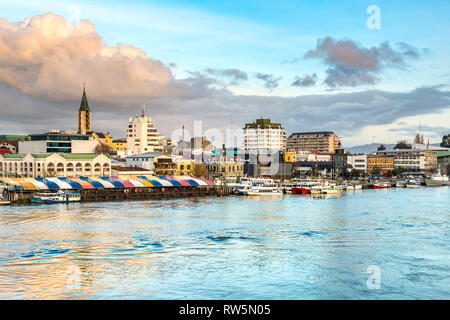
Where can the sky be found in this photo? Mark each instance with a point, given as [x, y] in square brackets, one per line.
[310, 65]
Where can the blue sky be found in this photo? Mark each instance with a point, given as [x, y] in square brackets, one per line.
[262, 36]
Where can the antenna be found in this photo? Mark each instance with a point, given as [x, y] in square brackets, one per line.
[143, 111]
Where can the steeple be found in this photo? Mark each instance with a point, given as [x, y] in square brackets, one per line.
[84, 103]
[84, 115]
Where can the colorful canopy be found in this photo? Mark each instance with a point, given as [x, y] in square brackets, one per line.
[124, 181]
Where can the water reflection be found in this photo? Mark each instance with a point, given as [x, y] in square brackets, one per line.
[286, 247]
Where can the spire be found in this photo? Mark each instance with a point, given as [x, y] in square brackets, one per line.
[84, 103]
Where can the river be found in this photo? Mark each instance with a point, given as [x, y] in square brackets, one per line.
[368, 244]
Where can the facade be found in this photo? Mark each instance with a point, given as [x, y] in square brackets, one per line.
[84, 116]
[58, 142]
[443, 160]
[411, 160]
[142, 136]
[384, 162]
[225, 169]
[54, 165]
[264, 135]
[119, 146]
[185, 167]
[358, 162]
[322, 141]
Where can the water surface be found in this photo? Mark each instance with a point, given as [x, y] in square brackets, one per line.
[289, 247]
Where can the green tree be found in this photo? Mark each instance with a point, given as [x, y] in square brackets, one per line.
[376, 171]
[200, 170]
[381, 147]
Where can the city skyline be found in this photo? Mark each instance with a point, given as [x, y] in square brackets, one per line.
[389, 88]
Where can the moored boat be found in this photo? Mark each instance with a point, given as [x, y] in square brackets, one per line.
[437, 180]
[264, 190]
[331, 191]
[383, 185]
[59, 197]
[301, 190]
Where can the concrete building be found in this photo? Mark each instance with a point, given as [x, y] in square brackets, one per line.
[443, 160]
[322, 141]
[264, 135]
[54, 165]
[357, 162]
[56, 141]
[384, 162]
[142, 136]
[119, 147]
[413, 161]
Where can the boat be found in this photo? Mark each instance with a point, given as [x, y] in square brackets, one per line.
[316, 189]
[400, 184]
[59, 197]
[383, 185]
[357, 186]
[331, 191]
[413, 184]
[301, 190]
[437, 180]
[350, 187]
[264, 190]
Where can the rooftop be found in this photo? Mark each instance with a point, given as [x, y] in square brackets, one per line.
[325, 133]
[262, 123]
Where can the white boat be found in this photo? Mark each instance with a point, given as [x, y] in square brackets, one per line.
[264, 190]
[357, 186]
[400, 184]
[350, 187]
[437, 180]
[59, 197]
[316, 189]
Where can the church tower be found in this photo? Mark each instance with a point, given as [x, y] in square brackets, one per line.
[84, 115]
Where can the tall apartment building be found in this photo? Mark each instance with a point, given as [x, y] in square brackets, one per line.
[322, 141]
[142, 136]
[264, 135]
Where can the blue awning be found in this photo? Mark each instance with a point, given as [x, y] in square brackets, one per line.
[174, 182]
[49, 184]
[73, 184]
[153, 182]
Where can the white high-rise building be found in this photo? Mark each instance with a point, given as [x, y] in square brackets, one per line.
[142, 136]
[264, 135]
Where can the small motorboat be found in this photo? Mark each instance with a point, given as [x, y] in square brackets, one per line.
[301, 190]
[59, 197]
[383, 185]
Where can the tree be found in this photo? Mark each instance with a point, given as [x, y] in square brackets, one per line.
[402, 145]
[445, 141]
[397, 171]
[200, 170]
[381, 147]
[102, 148]
[356, 173]
[418, 139]
[376, 171]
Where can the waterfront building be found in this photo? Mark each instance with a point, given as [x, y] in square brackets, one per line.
[185, 167]
[158, 162]
[264, 135]
[119, 146]
[321, 141]
[225, 168]
[413, 161]
[443, 160]
[55, 165]
[142, 136]
[59, 142]
[357, 162]
[384, 162]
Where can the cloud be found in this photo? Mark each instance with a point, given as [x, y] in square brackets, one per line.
[270, 82]
[235, 74]
[47, 56]
[305, 81]
[44, 61]
[350, 64]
